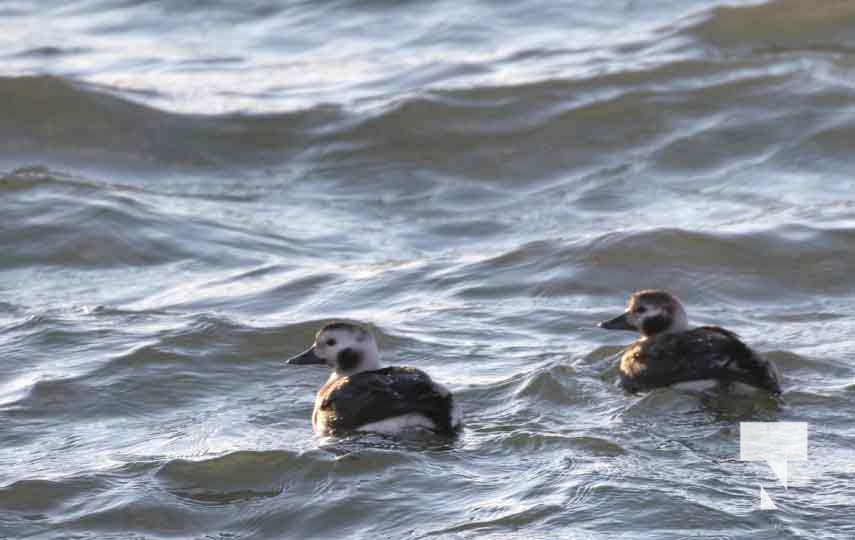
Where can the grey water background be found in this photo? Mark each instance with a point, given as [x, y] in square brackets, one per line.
[190, 189]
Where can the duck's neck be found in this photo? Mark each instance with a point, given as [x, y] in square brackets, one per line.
[679, 323]
[369, 362]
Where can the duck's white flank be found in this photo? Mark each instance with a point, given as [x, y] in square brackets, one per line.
[702, 385]
[397, 424]
[706, 385]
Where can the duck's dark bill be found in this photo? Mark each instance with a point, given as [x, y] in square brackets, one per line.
[618, 323]
[306, 357]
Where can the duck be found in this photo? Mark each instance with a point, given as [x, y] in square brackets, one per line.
[361, 395]
[670, 352]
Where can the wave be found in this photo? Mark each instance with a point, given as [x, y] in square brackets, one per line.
[779, 26]
[512, 137]
[54, 121]
[53, 219]
[679, 259]
[37, 496]
[237, 476]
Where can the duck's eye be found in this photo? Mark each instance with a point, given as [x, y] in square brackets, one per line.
[331, 342]
[640, 309]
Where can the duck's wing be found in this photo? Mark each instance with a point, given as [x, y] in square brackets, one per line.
[736, 361]
[708, 352]
[711, 352]
[372, 396]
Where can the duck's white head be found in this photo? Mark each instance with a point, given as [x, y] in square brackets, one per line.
[346, 347]
[650, 312]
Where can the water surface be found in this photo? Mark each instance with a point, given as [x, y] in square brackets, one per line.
[190, 189]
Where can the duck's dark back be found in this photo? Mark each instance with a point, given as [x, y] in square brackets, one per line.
[371, 396]
[707, 352]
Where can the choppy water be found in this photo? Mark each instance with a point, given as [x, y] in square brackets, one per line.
[191, 188]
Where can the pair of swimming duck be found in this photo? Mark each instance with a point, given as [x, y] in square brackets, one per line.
[360, 395]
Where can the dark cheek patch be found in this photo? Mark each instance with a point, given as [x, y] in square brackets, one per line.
[348, 359]
[654, 325]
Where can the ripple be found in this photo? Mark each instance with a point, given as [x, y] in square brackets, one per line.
[554, 384]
